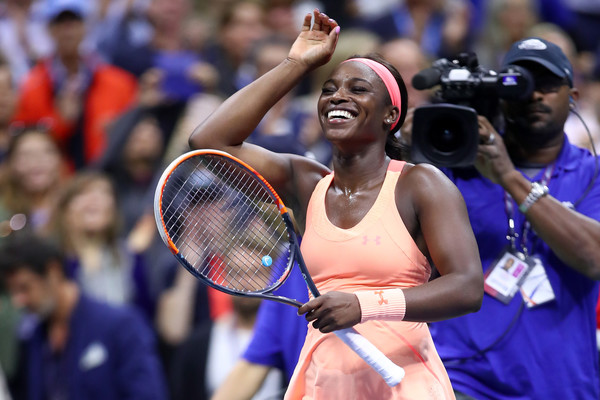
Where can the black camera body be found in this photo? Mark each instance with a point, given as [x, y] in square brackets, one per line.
[446, 133]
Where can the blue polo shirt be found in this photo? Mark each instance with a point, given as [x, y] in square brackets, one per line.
[550, 351]
[279, 331]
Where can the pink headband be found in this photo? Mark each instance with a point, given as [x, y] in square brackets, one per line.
[388, 79]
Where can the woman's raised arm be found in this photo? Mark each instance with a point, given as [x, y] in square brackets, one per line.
[231, 124]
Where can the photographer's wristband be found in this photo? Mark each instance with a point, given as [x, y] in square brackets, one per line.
[537, 192]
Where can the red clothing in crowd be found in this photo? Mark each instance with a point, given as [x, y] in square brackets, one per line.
[110, 91]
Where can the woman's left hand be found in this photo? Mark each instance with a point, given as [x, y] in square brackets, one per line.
[332, 311]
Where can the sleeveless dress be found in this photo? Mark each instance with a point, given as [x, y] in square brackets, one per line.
[377, 253]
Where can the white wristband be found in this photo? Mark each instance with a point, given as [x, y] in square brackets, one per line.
[385, 304]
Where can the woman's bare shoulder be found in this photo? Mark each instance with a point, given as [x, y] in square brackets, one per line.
[426, 182]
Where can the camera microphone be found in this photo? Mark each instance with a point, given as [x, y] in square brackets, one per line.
[429, 77]
[426, 78]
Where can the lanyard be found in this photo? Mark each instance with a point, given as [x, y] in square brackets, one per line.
[509, 208]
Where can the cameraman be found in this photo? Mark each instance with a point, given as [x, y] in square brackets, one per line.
[534, 205]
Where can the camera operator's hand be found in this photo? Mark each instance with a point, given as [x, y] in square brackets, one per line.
[492, 160]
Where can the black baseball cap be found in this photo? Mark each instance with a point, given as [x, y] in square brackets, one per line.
[543, 52]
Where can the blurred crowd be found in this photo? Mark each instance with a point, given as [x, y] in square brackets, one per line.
[97, 96]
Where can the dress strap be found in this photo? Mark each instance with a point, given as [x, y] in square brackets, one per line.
[396, 165]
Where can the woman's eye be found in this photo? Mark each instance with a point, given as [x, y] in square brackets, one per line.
[359, 89]
[327, 90]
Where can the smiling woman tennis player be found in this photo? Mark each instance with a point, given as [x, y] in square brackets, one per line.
[370, 227]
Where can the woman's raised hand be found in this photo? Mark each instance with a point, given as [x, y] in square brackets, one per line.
[315, 46]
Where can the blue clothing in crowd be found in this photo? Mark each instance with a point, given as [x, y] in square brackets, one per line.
[279, 331]
[545, 352]
[110, 354]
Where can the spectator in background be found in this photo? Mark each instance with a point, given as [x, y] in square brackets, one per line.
[132, 160]
[168, 65]
[278, 130]
[81, 348]
[182, 69]
[276, 342]
[86, 225]
[185, 303]
[205, 359]
[409, 59]
[282, 16]
[244, 23]
[8, 102]
[241, 25]
[108, 14]
[33, 173]
[76, 94]
[506, 22]
[442, 28]
[347, 13]
[23, 36]
[578, 17]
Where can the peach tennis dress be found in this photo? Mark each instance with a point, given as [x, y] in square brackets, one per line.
[377, 253]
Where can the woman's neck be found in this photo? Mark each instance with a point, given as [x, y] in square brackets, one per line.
[357, 172]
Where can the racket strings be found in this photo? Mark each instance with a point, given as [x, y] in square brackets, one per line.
[248, 195]
[228, 226]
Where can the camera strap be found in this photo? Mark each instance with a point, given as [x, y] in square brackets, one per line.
[509, 208]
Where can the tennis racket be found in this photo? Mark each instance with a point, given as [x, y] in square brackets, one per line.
[228, 227]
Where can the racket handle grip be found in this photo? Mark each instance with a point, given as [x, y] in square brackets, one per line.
[390, 372]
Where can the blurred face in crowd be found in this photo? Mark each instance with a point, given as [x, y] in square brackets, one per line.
[33, 292]
[8, 96]
[168, 13]
[208, 224]
[144, 147]
[196, 33]
[516, 17]
[19, 3]
[269, 57]
[243, 27]
[425, 4]
[282, 20]
[407, 57]
[91, 209]
[68, 31]
[35, 162]
[242, 276]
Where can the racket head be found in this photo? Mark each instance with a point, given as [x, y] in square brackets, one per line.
[224, 223]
